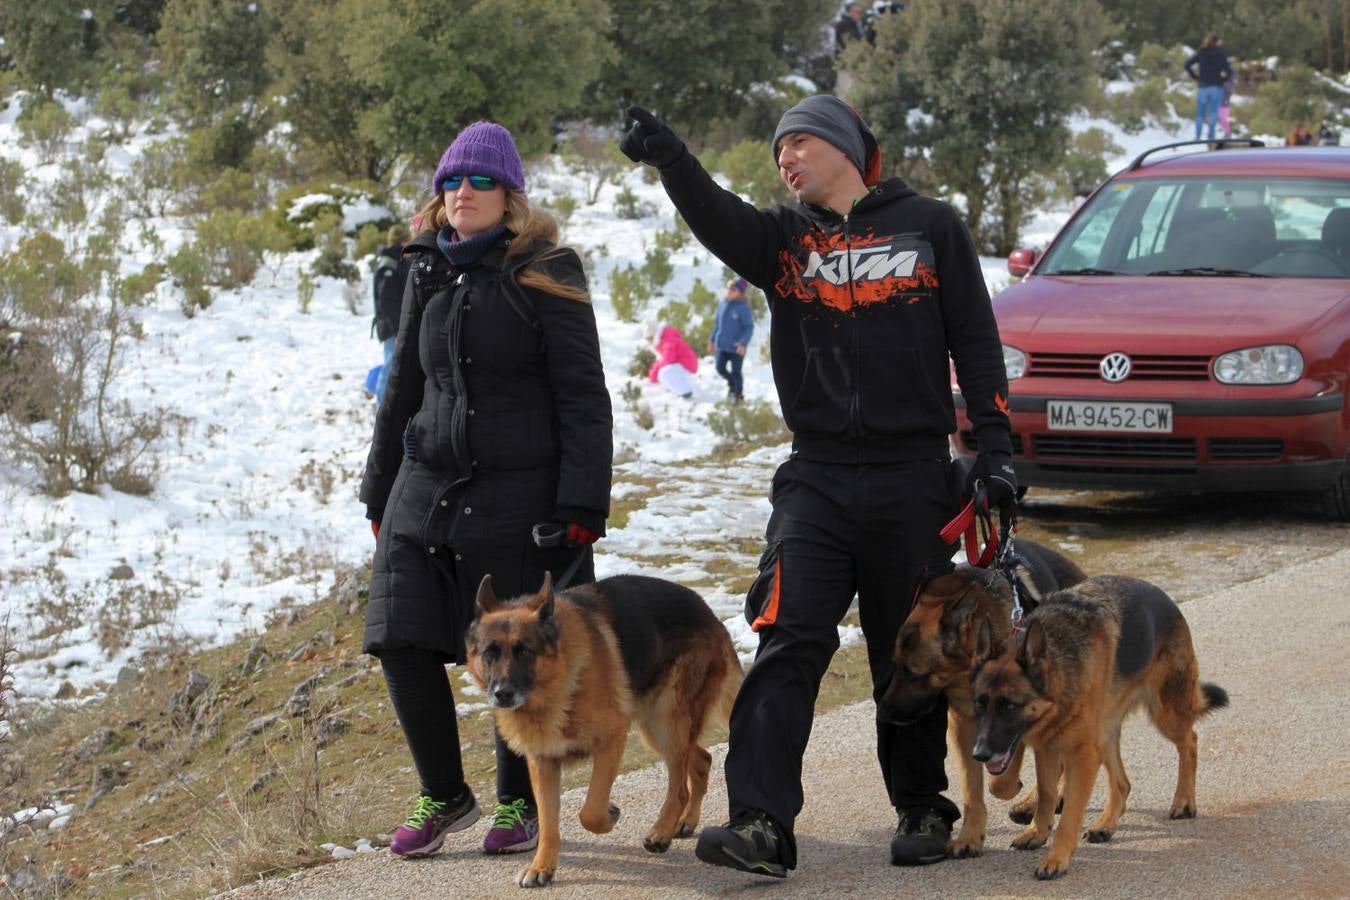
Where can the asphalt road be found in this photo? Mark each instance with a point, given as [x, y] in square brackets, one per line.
[1273, 790]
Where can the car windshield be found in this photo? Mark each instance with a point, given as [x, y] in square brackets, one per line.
[1209, 227]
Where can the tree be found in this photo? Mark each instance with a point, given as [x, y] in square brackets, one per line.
[993, 82]
[214, 53]
[693, 61]
[43, 39]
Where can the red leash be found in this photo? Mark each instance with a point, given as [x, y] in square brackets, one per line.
[967, 522]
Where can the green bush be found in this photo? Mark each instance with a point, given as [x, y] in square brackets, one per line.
[190, 269]
[158, 180]
[297, 208]
[748, 166]
[332, 260]
[234, 244]
[1085, 164]
[628, 206]
[657, 269]
[562, 207]
[136, 288]
[305, 292]
[46, 125]
[369, 237]
[673, 240]
[749, 422]
[628, 292]
[232, 189]
[693, 316]
[13, 186]
[1296, 95]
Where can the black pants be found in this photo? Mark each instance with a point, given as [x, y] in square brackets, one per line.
[837, 530]
[729, 367]
[420, 690]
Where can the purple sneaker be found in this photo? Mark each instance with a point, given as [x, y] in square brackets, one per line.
[430, 822]
[515, 829]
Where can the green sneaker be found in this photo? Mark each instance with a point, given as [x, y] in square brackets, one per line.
[515, 829]
[751, 843]
[921, 838]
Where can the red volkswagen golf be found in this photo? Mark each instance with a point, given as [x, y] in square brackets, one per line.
[1189, 329]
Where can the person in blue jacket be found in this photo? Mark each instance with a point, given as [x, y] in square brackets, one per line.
[1210, 69]
[731, 335]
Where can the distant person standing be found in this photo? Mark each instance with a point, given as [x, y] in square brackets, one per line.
[848, 30]
[731, 335]
[391, 274]
[1327, 136]
[1210, 69]
[1298, 136]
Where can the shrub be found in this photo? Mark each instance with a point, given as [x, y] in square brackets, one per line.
[232, 189]
[297, 209]
[233, 244]
[628, 292]
[1085, 164]
[693, 316]
[46, 125]
[657, 268]
[641, 363]
[332, 259]
[628, 206]
[593, 154]
[675, 239]
[749, 422]
[369, 237]
[562, 206]
[191, 270]
[748, 167]
[13, 186]
[158, 178]
[305, 292]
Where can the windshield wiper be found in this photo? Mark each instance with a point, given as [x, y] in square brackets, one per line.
[1211, 271]
[1087, 271]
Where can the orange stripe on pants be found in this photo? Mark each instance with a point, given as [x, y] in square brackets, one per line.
[770, 614]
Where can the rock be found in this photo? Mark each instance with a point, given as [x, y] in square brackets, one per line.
[260, 724]
[128, 677]
[94, 744]
[351, 591]
[330, 729]
[262, 781]
[122, 572]
[196, 685]
[255, 659]
[325, 638]
[299, 703]
[303, 652]
[106, 777]
[343, 853]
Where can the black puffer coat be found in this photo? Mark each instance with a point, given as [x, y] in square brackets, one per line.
[496, 418]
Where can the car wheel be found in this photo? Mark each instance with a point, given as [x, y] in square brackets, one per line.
[1337, 499]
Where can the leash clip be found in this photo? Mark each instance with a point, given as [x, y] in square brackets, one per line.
[547, 534]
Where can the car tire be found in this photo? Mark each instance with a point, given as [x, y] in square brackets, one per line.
[1337, 500]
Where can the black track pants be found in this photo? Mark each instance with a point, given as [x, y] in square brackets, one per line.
[837, 530]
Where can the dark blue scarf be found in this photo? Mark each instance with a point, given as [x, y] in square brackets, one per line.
[466, 252]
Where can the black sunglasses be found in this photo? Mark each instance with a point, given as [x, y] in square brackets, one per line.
[477, 182]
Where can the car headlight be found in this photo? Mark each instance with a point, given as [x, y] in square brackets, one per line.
[1272, 364]
[1015, 361]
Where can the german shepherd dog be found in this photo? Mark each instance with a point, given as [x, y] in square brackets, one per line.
[566, 674]
[935, 656]
[1084, 659]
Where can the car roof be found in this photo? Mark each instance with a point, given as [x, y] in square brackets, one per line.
[1297, 162]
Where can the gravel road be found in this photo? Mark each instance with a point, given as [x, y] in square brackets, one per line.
[1273, 790]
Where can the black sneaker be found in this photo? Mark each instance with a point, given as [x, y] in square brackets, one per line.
[751, 844]
[921, 838]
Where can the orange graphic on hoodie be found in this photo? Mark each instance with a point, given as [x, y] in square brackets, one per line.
[867, 270]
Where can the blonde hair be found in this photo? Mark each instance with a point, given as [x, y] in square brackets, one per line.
[530, 225]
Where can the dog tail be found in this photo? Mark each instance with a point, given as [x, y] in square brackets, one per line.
[1215, 697]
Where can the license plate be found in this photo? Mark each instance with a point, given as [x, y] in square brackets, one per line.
[1091, 415]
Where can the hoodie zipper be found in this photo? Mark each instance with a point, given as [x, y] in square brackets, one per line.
[854, 404]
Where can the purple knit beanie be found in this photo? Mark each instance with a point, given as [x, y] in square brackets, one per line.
[484, 148]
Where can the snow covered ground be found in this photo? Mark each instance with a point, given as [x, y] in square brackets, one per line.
[256, 505]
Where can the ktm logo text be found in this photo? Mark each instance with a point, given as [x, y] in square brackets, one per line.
[861, 264]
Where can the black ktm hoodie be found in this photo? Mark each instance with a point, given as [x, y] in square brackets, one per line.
[865, 310]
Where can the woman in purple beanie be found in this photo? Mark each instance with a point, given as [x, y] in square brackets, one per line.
[496, 419]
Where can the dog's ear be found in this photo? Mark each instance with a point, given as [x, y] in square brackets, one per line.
[984, 642]
[1032, 651]
[542, 602]
[960, 615]
[486, 601]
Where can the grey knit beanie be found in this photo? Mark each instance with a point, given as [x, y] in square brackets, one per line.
[833, 120]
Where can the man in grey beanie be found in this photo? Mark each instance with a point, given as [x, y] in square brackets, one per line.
[871, 288]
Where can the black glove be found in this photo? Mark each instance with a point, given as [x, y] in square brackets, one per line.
[1000, 481]
[649, 140]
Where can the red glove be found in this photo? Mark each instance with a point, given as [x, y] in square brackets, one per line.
[375, 528]
[578, 535]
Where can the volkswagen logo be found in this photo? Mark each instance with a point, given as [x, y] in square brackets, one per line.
[1114, 367]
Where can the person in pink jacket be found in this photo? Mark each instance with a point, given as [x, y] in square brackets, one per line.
[675, 359]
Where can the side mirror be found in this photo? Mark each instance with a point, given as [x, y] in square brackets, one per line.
[1020, 262]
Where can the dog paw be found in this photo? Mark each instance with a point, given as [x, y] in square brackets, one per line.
[655, 844]
[532, 877]
[965, 848]
[1029, 840]
[686, 829]
[1022, 815]
[1050, 869]
[1182, 811]
[1098, 835]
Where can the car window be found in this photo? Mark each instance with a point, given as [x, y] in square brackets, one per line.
[1221, 226]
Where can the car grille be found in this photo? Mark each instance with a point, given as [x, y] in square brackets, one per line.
[1242, 449]
[1082, 446]
[1142, 368]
